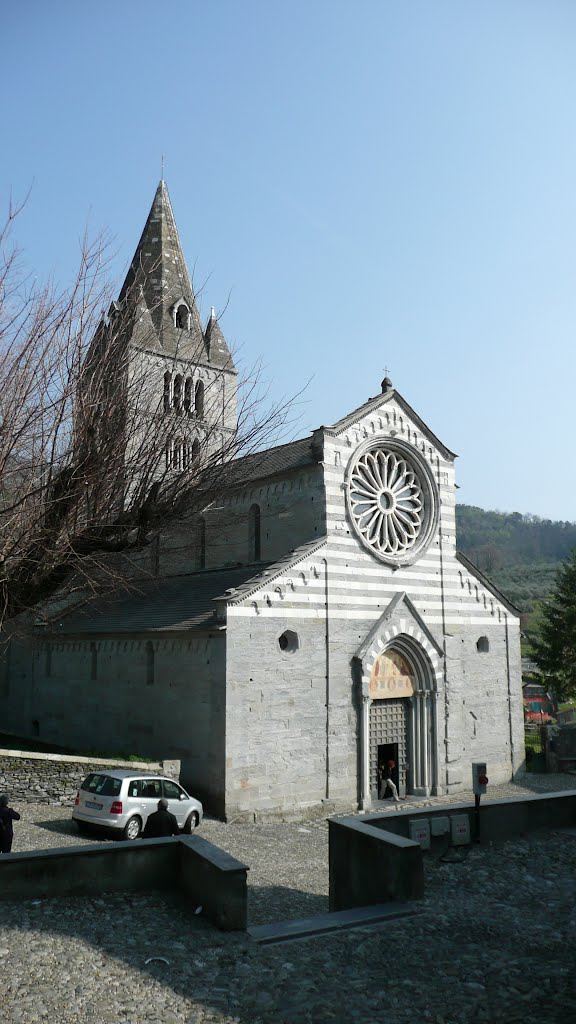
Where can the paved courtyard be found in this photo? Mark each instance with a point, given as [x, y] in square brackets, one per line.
[495, 941]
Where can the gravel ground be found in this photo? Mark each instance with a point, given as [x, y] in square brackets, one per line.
[495, 940]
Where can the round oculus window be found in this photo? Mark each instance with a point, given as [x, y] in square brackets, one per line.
[392, 501]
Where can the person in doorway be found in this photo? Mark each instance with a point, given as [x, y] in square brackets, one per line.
[7, 816]
[161, 823]
[385, 779]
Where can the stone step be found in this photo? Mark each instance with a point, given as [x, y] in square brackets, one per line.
[322, 924]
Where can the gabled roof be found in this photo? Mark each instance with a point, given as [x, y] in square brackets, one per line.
[475, 571]
[374, 403]
[167, 604]
[282, 459]
[174, 603]
[275, 569]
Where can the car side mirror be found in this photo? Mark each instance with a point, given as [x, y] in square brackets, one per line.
[182, 797]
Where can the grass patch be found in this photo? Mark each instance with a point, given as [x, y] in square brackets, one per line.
[8, 742]
[533, 742]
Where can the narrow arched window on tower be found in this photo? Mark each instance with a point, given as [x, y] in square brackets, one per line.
[149, 663]
[202, 543]
[182, 318]
[178, 392]
[167, 383]
[482, 645]
[254, 542]
[195, 450]
[187, 394]
[199, 400]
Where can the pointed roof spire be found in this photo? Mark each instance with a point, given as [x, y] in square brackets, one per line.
[158, 280]
[218, 351]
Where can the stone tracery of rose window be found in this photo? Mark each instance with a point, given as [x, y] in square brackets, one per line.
[389, 498]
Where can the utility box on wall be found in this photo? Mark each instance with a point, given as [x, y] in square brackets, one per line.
[419, 830]
[460, 829]
[479, 778]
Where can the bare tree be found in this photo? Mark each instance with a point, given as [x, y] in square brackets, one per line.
[94, 457]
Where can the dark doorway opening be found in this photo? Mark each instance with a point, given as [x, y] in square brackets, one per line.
[388, 752]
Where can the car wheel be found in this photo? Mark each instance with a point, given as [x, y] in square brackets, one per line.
[191, 822]
[132, 828]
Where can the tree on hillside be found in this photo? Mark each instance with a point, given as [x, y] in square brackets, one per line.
[553, 645]
[92, 461]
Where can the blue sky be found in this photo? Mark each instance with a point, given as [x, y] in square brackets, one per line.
[377, 183]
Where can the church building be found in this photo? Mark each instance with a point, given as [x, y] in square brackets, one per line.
[317, 623]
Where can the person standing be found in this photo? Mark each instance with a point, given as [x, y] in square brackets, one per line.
[385, 779]
[7, 816]
[161, 823]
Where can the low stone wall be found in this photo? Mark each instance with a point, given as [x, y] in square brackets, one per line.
[201, 873]
[369, 866]
[499, 819]
[54, 778]
[373, 860]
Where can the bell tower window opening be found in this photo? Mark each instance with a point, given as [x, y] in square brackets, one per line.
[199, 400]
[254, 534]
[182, 317]
[167, 389]
[483, 645]
[195, 450]
[187, 395]
[178, 392]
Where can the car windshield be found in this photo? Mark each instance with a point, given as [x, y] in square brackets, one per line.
[103, 784]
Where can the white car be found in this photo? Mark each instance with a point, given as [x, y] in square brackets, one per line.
[123, 800]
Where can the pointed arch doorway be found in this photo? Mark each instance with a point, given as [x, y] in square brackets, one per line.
[400, 720]
[400, 723]
[399, 671]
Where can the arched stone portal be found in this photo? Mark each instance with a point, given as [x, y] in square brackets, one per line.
[401, 716]
[400, 674]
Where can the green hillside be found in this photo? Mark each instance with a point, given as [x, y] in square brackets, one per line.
[519, 553]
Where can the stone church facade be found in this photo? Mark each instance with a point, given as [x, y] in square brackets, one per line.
[316, 623]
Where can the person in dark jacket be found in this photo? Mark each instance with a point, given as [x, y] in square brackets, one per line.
[7, 816]
[161, 823]
[385, 779]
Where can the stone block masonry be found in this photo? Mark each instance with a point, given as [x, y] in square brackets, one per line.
[54, 778]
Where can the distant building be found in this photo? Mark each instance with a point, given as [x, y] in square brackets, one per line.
[318, 622]
[539, 706]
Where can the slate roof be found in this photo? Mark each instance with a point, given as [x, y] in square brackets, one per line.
[173, 603]
[282, 459]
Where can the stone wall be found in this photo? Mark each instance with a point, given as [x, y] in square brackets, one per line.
[54, 778]
[192, 869]
[176, 714]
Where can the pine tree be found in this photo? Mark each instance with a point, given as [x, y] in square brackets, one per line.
[554, 644]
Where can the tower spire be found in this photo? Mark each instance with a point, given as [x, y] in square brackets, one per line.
[158, 279]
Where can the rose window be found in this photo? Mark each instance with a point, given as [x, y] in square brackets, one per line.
[390, 496]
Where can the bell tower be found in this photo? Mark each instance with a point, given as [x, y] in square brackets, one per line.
[189, 370]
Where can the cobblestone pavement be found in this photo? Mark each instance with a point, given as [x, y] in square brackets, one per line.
[495, 941]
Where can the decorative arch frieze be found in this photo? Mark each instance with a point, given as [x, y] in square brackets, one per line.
[402, 629]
